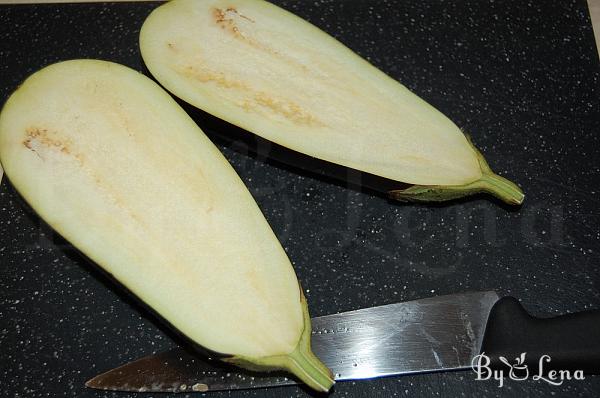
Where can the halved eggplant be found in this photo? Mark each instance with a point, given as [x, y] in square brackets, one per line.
[264, 69]
[108, 159]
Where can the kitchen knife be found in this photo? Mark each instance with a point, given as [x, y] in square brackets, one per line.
[434, 334]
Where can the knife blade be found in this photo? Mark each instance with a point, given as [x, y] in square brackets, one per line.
[428, 335]
[432, 334]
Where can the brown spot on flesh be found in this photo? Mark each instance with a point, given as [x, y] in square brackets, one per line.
[226, 20]
[221, 16]
[45, 138]
[28, 145]
[290, 110]
[235, 11]
[286, 108]
[40, 138]
[205, 76]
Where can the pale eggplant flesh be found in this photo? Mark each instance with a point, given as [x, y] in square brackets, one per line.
[268, 71]
[111, 162]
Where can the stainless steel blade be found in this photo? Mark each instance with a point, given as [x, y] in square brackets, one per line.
[428, 335]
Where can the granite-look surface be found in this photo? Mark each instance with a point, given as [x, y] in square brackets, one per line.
[521, 77]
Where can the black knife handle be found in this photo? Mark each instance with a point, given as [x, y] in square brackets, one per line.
[572, 341]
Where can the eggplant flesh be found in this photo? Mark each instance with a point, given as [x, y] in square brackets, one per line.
[268, 71]
[109, 160]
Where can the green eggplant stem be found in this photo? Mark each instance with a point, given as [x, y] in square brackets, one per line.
[301, 362]
[308, 368]
[489, 182]
[502, 188]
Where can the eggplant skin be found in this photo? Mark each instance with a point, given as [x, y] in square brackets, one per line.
[113, 164]
[268, 71]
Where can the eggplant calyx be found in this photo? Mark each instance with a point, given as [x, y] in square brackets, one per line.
[301, 362]
[490, 182]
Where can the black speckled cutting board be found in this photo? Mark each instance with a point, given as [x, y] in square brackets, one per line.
[521, 77]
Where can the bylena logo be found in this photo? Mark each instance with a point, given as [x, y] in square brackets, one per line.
[520, 371]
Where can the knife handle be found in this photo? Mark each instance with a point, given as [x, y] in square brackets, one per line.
[572, 341]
